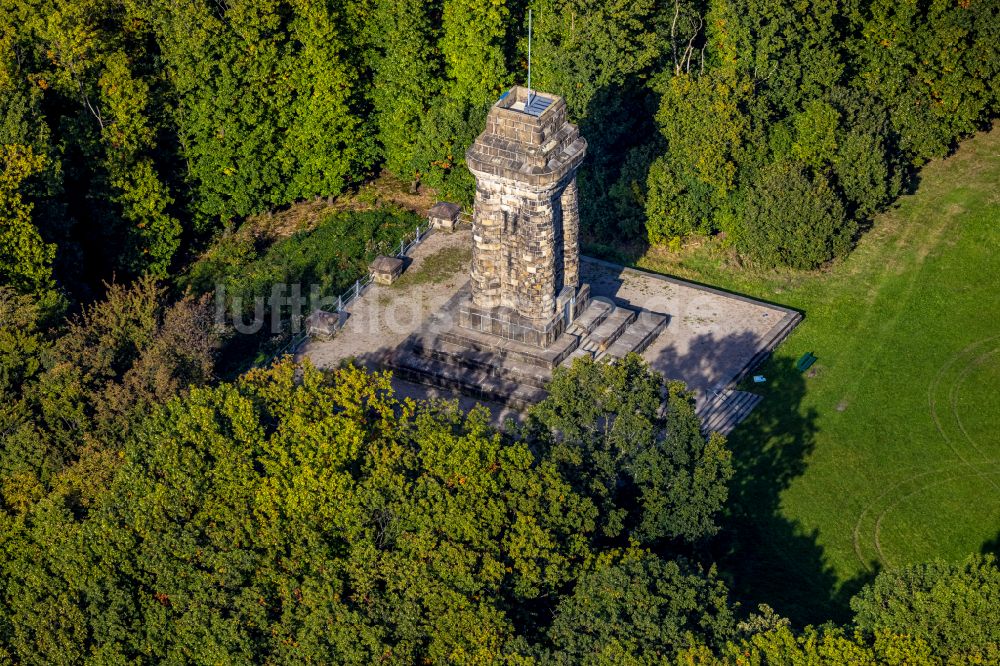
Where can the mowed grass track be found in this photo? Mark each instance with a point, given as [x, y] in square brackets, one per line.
[888, 452]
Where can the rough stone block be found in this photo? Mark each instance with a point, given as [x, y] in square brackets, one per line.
[323, 325]
[386, 270]
[444, 215]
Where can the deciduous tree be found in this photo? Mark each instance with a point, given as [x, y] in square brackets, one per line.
[653, 476]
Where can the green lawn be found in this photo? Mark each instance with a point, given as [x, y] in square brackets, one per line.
[889, 452]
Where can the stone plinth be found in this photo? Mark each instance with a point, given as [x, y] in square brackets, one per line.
[386, 270]
[711, 338]
[525, 261]
[509, 324]
[323, 325]
[444, 215]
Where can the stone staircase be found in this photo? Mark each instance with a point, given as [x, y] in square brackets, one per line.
[639, 335]
[726, 410]
[490, 368]
[592, 317]
[603, 336]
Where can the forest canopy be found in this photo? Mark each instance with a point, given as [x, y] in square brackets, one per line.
[134, 132]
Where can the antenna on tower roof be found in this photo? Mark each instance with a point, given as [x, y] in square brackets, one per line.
[529, 58]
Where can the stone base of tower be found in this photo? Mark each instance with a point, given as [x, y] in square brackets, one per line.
[443, 353]
[506, 323]
[412, 327]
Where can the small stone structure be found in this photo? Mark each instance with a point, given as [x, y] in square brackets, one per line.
[526, 257]
[323, 325]
[386, 270]
[444, 216]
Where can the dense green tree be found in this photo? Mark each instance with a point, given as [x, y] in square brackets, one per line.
[92, 114]
[653, 477]
[161, 123]
[22, 123]
[824, 645]
[25, 259]
[43, 564]
[447, 129]
[295, 515]
[814, 141]
[933, 64]
[802, 72]
[582, 46]
[21, 341]
[99, 378]
[953, 607]
[867, 173]
[704, 127]
[600, 56]
[790, 219]
[222, 68]
[266, 102]
[406, 79]
[295, 519]
[636, 608]
[153, 234]
[327, 145]
[472, 44]
[790, 51]
[22, 350]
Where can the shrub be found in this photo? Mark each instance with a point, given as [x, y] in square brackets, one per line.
[790, 219]
[331, 256]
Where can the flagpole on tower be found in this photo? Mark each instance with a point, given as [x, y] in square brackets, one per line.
[529, 57]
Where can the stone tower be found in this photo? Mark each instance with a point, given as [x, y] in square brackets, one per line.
[525, 262]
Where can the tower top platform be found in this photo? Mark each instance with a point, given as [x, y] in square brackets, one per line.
[528, 139]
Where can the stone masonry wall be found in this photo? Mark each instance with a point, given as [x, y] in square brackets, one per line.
[571, 234]
[526, 246]
[526, 219]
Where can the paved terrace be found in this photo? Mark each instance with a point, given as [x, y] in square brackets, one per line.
[711, 337]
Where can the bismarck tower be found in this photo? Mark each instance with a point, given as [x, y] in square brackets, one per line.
[524, 310]
[525, 277]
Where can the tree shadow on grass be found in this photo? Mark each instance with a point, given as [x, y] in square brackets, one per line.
[766, 557]
[992, 547]
[769, 558]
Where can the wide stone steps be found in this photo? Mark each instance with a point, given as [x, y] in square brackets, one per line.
[502, 350]
[601, 338]
[577, 353]
[727, 410]
[454, 354]
[638, 335]
[592, 316]
[477, 383]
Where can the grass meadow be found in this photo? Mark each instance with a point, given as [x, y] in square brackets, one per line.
[887, 451]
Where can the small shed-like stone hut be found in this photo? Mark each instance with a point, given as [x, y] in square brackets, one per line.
[385, 270]
[444, 215]
[323, 325]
